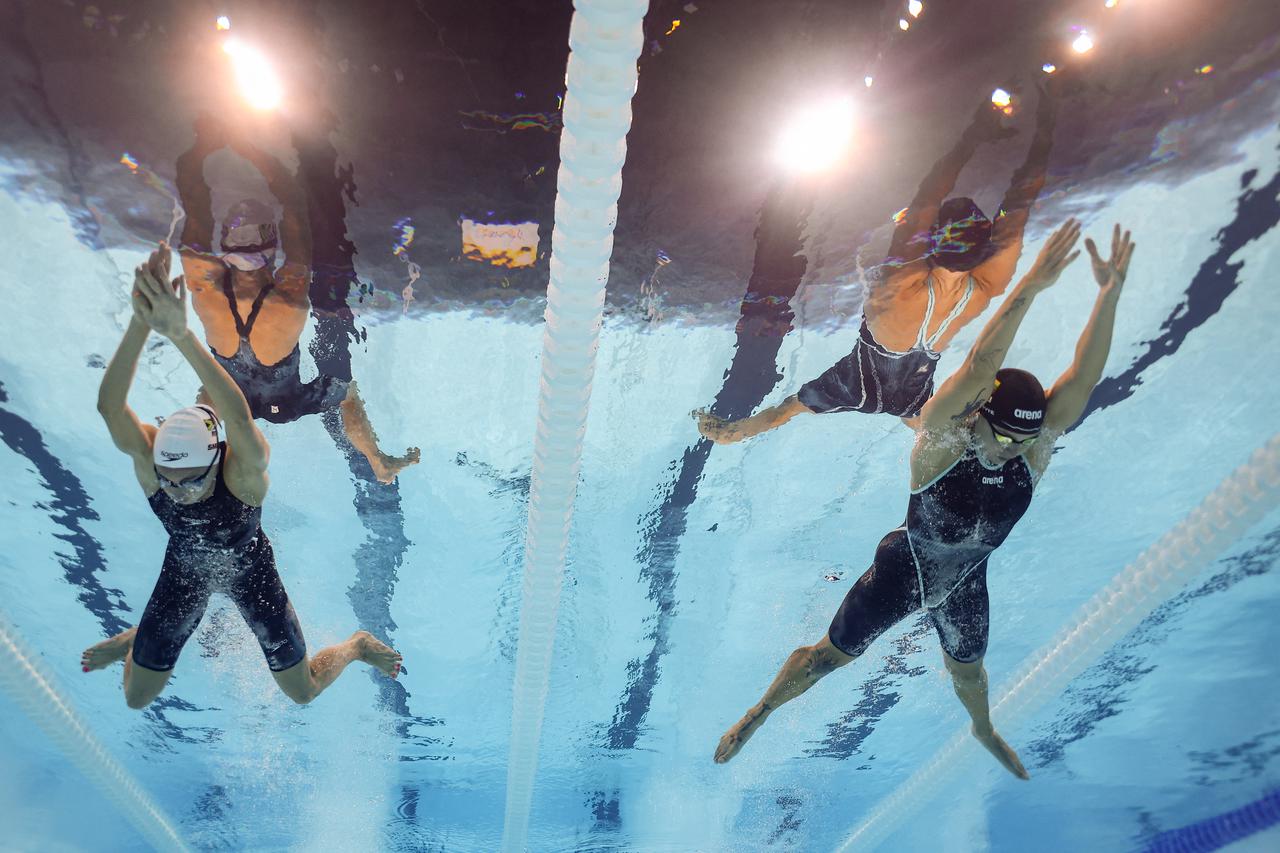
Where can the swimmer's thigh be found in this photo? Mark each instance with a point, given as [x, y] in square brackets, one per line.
[884, 595]
[963, 621]
[174, 610]
[260, 596]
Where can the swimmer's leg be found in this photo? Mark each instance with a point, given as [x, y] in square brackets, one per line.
[804, 668]
[308, 678]
[141, 685]
[883, 596]
[355, 421]
[970, 682]
[102, 655]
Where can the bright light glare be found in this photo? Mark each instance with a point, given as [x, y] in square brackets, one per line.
[914, 8]
[1001, 98]
[257, 80]
[1048, 68]
[1111, 4]
[816, 138]
[224, 23]
[868, 80]
[1083, 43]
[904, 24]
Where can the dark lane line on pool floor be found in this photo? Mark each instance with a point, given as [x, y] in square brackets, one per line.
[1257, 213]
[765, 319]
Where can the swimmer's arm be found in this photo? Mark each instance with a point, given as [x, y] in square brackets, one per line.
[295, 228]
[243, 435]
[128, 433]
[969, 387]
[1070, 394]
[994, 274]
[723, 431]
[196, 197]
[911, 237]
[166, 313]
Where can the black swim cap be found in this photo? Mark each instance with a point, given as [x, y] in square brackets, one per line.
[961, 237]
[1017, 404]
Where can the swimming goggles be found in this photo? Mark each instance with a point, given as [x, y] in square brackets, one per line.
[190, 482]
[1006, 440]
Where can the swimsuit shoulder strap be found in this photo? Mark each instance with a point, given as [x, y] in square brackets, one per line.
[257, 305]
[921, 341]
[244, 327]
[955, 312]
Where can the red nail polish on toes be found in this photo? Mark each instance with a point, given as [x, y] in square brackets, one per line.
[84, 669]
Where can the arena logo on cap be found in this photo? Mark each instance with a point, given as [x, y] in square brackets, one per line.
[1029, 414]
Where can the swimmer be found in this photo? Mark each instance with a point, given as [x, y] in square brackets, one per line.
[946, 263]
[207, 487]
[258, 346]
[983, 442]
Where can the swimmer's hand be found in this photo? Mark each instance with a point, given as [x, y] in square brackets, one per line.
[161, 303]
[987, 125]
[716, 428]
[211, 133]
[1055, 257]
[1110, 273]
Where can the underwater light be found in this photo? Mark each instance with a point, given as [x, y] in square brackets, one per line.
[817, 137]
[223, 23]
[904, 24]
[1048, 68]
[254, 75]
[914, 8]
[1083, 43]
[868, 80]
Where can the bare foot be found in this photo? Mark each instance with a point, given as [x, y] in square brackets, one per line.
[385, 467]
[1003, 753]
[377, 653]
[108, 651]
[736, 738]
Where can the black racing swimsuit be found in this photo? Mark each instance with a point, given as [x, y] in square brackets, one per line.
[938, 559]
[275, 392]
[215, 545]
[873, 379]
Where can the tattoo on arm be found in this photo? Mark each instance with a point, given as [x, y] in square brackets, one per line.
[992, 358]
[971, 407]
[1015, 304]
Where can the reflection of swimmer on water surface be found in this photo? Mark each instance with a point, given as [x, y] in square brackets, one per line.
[946, 262]
[982, 443]
[253, 313]
[204, 473]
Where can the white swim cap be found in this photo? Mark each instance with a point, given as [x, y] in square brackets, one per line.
[187, 439]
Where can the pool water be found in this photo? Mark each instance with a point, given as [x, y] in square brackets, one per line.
[692, 570]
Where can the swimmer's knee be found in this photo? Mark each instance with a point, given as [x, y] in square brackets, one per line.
[823, 658]
[138, 699]
[965, 672]
[297, 683]
[137, 703]
[300, 694]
